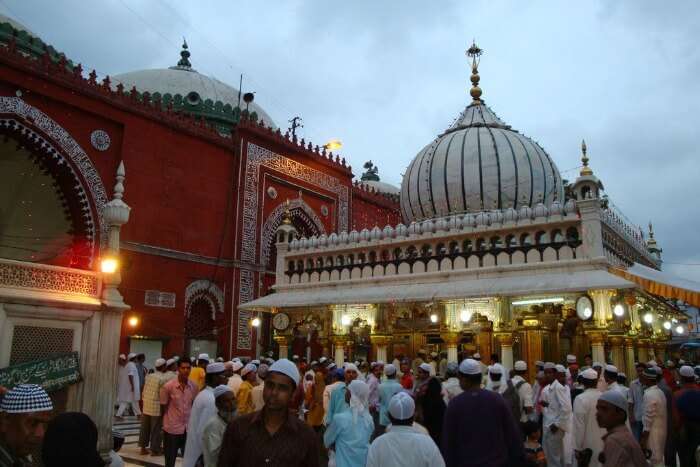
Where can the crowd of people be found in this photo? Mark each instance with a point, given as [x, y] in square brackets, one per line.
[425, 412]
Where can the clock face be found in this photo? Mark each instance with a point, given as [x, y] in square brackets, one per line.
[280, 321]
[584, 308]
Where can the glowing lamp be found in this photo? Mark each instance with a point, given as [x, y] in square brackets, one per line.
[667, 325]
[333, 145]
[133, 321]
[648, 318]
[465, 315]
[433, 318]
[345, 320]
[255, 322]
[619, 310]
[680, 330]
[587, 313]
[109, 265]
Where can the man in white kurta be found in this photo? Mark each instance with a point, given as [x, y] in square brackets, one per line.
[556, 400]
[203, 409]
[129, 391]
[524, 390]
[587, 434]
[235, 381]
[213, 431]
[654, 428]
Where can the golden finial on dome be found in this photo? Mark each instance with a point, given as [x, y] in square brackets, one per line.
[585, 170]
[474, 52]
[651, 231]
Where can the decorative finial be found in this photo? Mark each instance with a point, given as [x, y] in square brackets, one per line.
[372, 173]
[474, 52]
[287, 218]
[585, 170]
[184, 56]
[651, 231]
[119, 186]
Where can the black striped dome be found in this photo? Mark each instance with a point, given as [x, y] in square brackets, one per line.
[479, 163]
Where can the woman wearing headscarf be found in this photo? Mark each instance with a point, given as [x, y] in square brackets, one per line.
[433, 407]
[350, 430]
[71, 439]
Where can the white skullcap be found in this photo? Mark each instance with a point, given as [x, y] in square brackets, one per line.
[590, 373]
[203, 356]
[597, 365]
[560, 368]
[615, 398]
[256, 362]
[131, 355]
[611, 369]
[539, 363]
[236, 359]
[401, 406]
[221, 389]
[216, 367]
[176, 358]
[350, 366]
[322, 360]
[681, 362]
[622, 374]
[331, 365]
[652, 363]
[159, 362]
[286, 368]
[470, 366]
[549, 366]
[425, 367]
[122, 356]
[686, 371]
[170, 361]
[520, 366]
[571, 358]
[476, 356]
[496, 369]
[295, 357]
[236, 365]
[389, 370]
[26, 398]
[313, 363]
[250, 367]
[219, 359]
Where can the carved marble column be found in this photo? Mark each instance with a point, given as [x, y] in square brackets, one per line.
[339, 343]
[629, 358]
[506, 341]
[602, 311]
[617, 352]
[451, 340]
[380, 343]
[283, 343]
[643, 350]
[597, 339]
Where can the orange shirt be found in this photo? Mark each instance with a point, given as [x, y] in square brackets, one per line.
[197, 376]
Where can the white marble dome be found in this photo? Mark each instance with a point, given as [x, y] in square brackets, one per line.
[479, 163]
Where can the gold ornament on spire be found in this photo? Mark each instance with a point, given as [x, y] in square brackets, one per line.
[585, 170]
[651, 231]
[474, 52]
[287, 218]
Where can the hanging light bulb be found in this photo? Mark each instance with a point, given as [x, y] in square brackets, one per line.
[619, 310]
[648, 318]
[255, 322]
[465, 315]
[667, 325]
[680, 329]
[587, 313]
[433, 318]
[345, 320]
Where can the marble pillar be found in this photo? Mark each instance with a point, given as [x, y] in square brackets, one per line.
[506, 341]
[451, 340]
[629, 358]
[381, 343]
[283, 343]
[597, 346]
[617, 351]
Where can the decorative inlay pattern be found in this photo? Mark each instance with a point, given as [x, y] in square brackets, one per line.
[27, 276]
[100, 140]
[204, 287]
[258, 156]
[16, 106]
[271, 192]
[275, 219]
[324, 210]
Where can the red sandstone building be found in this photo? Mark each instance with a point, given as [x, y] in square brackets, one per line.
[208, 177]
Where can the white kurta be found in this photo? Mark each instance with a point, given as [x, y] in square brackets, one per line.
[124, 387]
[525, 394]
[203, 409]
[212, 436]
[557, 413]
[654, 421]
[404, 446]
[586, 431]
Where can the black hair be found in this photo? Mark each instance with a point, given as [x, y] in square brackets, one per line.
[473, 379]
[71, 439]
[183, 360]
[621, 379]
[530, 427]
[589, 383]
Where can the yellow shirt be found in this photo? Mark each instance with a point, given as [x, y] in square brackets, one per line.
[244, 400]
[197, 376]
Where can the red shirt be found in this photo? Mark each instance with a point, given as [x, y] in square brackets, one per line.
[179, 401]
[407, 381]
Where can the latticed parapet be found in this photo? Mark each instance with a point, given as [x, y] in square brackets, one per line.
[470, 241]
[22, 277]
[624, 244]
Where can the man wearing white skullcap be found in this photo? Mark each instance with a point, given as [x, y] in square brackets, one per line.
[620, 447]
[422, 377]
[497, 379]
[213, 431]
[556, 415]
[373, 381]
[235, 380]
[337, 402]
[244, 400]
[403, 445]
[128, 389]
[25, 412]
[203, 408]
[587, 435]
[655, 419]
[386, 390]
[349, 432]
[151, 431]
[524, 390]
[496, 442]
[248, 440]
[610, 373]
[451, 387]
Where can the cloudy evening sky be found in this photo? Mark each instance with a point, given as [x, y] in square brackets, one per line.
[386, 77]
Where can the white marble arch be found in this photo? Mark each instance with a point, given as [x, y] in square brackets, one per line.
[533, 256]
[518, 257]
[418, 267]
[446, 264]
[433, 266]
[404, 268]
[459, 263]
[390, 270]
[503, 258]
[565, 253]
[549, 254]
[473, 262]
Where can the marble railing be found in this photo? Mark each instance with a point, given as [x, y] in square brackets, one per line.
[47, 278]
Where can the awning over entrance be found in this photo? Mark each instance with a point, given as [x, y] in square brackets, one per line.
[530, 284]
[661, 283]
